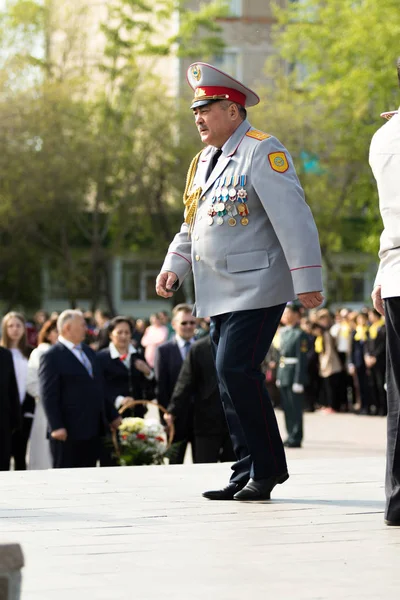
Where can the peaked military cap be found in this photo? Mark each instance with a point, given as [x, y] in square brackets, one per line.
[211, 84]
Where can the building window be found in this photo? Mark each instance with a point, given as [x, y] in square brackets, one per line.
[138, 280]
[235, 8]
[348, 284]
[130, 281]
[229, 62]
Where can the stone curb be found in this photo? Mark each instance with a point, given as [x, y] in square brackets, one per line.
[11, 563]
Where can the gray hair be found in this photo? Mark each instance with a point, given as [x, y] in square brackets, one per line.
[67, 315]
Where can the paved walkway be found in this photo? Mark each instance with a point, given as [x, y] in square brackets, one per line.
[146, 533]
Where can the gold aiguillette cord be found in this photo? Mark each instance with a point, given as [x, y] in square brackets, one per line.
[191, 201]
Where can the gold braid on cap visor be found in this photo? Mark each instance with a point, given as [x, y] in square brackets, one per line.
[201, 94]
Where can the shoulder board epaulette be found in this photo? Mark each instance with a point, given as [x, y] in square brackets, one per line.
[257, 135]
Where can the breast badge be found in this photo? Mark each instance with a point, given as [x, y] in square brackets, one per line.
[278, 161]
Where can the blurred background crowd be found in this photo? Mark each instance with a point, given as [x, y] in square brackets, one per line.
[166, 359]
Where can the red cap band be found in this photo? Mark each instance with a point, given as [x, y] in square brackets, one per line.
[207, 92]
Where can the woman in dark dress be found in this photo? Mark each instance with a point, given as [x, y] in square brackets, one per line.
[13, 337]
[126, 374]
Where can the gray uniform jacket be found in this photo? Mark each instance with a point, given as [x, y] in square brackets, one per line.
[252, 257]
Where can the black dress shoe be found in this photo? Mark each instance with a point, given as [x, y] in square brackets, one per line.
[260, 489]
[292, 445]
[392, 523]
[226, 493]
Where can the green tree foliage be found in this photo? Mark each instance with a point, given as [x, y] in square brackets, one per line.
[93, 165]
[334, 75]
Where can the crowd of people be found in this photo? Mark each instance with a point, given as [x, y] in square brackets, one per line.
[345, 361]
[65, 380]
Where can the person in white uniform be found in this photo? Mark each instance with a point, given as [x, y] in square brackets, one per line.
[384, 159]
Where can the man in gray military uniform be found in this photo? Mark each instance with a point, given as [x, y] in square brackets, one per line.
[291, 376]
[384, 158]
[250, 240]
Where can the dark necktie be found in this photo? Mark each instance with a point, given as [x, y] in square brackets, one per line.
[186, 349]
[214, 161]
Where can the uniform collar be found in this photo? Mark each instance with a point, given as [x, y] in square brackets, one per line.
[228, 150]
[231, 145]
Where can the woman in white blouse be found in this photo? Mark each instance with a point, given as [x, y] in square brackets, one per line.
[39, 447]
[13, 337]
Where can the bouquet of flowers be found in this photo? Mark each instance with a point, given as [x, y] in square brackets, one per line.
[142, 442]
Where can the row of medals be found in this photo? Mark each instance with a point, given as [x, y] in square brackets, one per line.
[228, 201]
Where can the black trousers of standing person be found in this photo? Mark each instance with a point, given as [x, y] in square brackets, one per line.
[214, 448]
[364, 389]
[333, 391]
[240, 342]
[392, 482]
[19, 443]
[377, 378]
[74, 453]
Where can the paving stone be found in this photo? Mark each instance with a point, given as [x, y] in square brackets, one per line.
[147, 533]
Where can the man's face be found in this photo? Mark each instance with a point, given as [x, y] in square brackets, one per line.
[290, 317]
[214, 124]
[75, 329]
[184, 325]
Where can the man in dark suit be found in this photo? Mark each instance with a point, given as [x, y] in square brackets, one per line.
[10, 411]
[72, 390]
[197, 380]
[168, 362]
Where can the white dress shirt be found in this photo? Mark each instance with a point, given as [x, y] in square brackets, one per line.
[181, 345]
[21, 372]
[114, 353]
[71, 346]
[384, 158]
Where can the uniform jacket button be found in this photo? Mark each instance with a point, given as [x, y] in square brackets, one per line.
[197, 257]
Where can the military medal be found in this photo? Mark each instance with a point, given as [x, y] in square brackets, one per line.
[231, 209]
[232, 190]
[232, 222]
[210, 220]
[220, 221]
[244, 221]
[220, 206]
[224, 193]
[243, 210]
[242, 194]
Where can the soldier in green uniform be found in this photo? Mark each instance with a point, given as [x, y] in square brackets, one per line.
[292, 374]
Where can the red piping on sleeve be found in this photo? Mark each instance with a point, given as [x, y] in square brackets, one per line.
[184, 258]
[308, 267]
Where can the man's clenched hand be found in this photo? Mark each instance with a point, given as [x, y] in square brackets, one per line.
[311, 299]
[164, 283]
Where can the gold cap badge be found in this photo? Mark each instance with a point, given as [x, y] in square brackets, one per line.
[196, 72]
